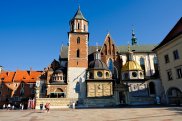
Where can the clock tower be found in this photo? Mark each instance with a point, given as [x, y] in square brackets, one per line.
[77, 55]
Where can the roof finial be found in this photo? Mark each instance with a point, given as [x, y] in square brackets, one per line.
[97, 54]
[78, 6]
[133, 39]
[129, 47]
[97, 48]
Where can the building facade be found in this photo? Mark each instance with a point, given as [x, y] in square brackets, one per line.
[17, 87]
[169, 53]
[94, 75]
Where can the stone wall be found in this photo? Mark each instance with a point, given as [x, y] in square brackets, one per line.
[54, 102]
[142, 100]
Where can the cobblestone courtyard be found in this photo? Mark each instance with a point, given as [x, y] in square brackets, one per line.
[106, 114]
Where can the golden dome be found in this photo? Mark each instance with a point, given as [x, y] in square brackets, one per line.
[131, 66]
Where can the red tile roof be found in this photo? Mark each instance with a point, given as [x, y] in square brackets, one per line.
[19, 76]
[7, 77]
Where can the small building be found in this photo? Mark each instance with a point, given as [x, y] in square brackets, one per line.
[17, 87]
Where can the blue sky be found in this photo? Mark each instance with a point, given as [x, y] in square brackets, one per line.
[32, 31]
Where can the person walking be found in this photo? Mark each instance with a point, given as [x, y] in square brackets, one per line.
[13, 107]
[47, 106]
[4, 106]
[9, 106]
[41, 106]
[22, 106]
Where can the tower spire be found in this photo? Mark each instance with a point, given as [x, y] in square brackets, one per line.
[97, 54]
[133, 39]
[129, 54]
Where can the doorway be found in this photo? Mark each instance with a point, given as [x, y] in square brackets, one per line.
[122, 99]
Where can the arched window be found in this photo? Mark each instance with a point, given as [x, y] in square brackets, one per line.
[109, 40]
[174, 92]
[21, 92]
[113, 51]
[142, 64]
[84, 27]
[78, 26]
[72, 26]
[110, 65]
[152, 88]
[78, 53]
[105, 46]
[78, 40]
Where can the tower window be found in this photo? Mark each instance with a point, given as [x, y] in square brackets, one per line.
[84, 27]
[78, 26]
[78, 53]
[78, 40]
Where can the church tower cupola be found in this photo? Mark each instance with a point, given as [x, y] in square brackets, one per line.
[78, 23]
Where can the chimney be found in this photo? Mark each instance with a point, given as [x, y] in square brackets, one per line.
[1, 69]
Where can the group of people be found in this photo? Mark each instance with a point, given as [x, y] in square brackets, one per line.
[8, 106]
[47, 106]
[12, 107]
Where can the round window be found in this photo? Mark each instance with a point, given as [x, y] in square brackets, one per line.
[134, 74]
[107, 74]
[99, 74]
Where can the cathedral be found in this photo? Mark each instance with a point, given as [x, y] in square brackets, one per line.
[99, 76]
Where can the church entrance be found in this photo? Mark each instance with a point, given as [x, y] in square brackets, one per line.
[122, 99]
[58, 93]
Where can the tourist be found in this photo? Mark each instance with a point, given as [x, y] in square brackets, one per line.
[73, 105]
[9, 106]
[22, 106]
[4, 106]
[47, 106]
[13, 107]
[41, 106]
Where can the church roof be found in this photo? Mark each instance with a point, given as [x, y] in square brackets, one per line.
[131, 66]
[121, 49]
[97, 64]
[79, 15]
[136, 48]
